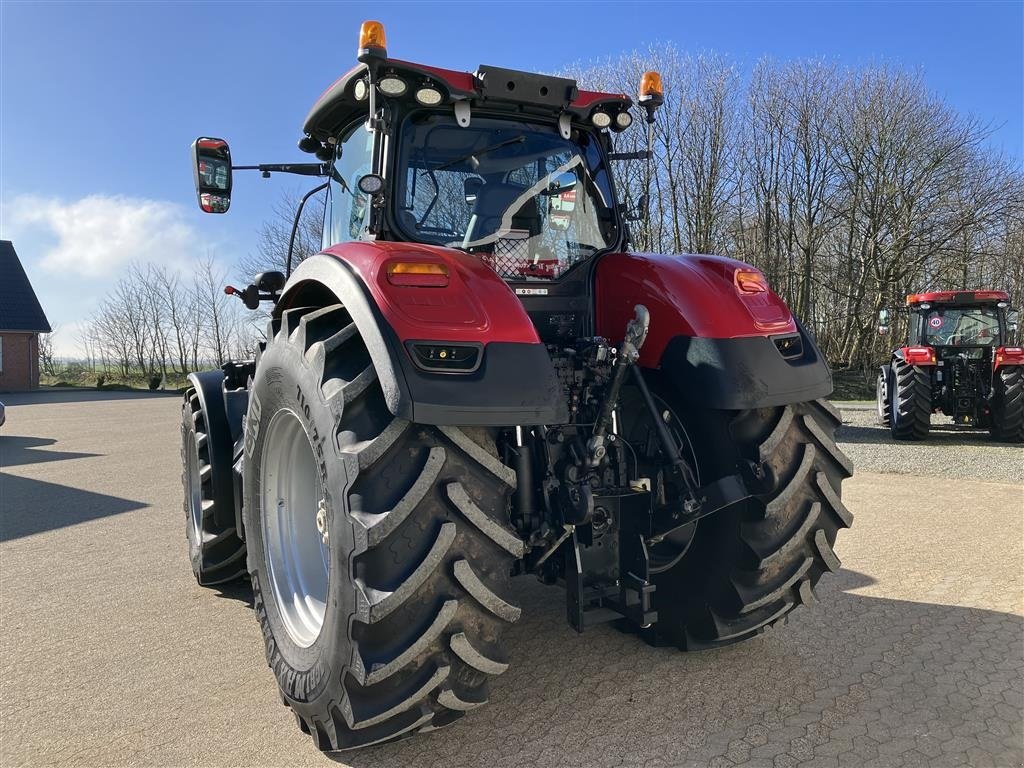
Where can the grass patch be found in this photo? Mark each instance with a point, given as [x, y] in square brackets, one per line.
[76, 375]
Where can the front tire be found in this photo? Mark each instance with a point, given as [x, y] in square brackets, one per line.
[883, 405]
[215, 550]
[405, 634]
[910, 388]
[1008, 405]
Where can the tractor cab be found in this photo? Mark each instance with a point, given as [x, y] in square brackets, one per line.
[509, 165]
[960, 322]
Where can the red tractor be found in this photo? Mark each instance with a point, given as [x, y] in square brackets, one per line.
[476, 379]
[957, 361]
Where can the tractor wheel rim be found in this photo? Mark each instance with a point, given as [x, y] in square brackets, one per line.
[296, 552]
[195, 491]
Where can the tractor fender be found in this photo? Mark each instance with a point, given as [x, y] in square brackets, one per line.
[721, 346]
[225, 412]
[514, 381]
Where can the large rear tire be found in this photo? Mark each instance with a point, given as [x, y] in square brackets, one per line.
[910, 392]
[396, 625]
[745, 568]
[1008, 405]
[214, 547]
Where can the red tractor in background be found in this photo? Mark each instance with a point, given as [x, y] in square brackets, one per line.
[958, 360]
[476, 379]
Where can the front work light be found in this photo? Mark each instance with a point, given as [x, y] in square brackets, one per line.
[429, 97]
[393, 86]
[623, 120]
[601, 119]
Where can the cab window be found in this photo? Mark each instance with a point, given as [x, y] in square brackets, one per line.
[347, 207]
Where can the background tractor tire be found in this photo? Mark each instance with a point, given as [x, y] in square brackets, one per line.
[910, 397]
[882, 402]
[748, 566]
[418, 551]
[1008, 405]
[214, 547]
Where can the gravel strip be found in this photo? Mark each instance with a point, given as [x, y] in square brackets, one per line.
[950, 451]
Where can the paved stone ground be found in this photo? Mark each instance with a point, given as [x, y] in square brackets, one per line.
[111, 655]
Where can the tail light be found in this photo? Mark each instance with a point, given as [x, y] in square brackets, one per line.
[418, 274]
[750, 281]
[919, 355]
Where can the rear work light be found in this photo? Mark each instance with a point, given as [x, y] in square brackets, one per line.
[919, 355]
[750, 281]
[418, 274]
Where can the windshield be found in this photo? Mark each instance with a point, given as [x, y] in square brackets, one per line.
[531, 203]
[975, 326]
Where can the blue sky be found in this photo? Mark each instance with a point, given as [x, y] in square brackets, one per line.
[100, 101]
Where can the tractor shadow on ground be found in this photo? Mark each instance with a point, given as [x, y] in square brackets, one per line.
[239, 590]
[895, 667]
[47, 396]
[29, 506]
[18, 450]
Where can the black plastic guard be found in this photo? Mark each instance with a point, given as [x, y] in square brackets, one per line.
[750, 372]
[515, 384]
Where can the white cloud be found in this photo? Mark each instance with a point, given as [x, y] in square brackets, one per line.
[98, 235]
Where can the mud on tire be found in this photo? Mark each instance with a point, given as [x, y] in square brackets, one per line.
[1008, 405]
[419, 546]
[750, 565]
[214, 547]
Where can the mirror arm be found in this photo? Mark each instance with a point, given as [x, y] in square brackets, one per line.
[300, 169]
[295, 224]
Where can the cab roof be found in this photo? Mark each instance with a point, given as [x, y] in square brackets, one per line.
[489, 86]
[957, 297]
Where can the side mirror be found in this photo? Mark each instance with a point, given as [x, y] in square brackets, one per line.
[883, 322]
[563, 182]
[639, 213]
[269, 282]
[211, 168]
[1012, 323]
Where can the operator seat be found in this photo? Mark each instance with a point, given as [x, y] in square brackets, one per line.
[492, 202]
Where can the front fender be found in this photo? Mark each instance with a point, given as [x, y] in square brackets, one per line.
[515, 382]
